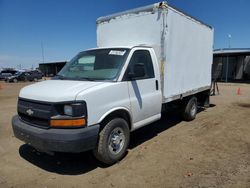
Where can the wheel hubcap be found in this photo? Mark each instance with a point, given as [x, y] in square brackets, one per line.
[116, 140]
[193, 110]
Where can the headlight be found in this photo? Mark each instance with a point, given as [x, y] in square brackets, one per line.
[75, 109]
[67, 115]
[68, 110]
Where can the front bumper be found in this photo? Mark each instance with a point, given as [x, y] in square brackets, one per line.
[56, 140]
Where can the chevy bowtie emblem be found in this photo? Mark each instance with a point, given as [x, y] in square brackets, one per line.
[30, 112]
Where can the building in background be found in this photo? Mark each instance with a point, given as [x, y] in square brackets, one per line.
[231, 65]
[52, 68]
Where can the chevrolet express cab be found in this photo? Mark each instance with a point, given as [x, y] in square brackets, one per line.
[146, 59]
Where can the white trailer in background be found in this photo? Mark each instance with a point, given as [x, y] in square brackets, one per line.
[147, 59]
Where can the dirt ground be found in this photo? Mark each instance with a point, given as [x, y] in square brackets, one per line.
[211, 151]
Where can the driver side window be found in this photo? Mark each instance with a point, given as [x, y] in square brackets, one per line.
[140, 57]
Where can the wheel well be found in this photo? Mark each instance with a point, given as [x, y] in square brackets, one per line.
[117, 114]
[203, 98]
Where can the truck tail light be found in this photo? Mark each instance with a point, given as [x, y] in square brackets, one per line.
[64, 123]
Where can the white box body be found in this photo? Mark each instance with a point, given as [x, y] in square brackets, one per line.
[183, 45]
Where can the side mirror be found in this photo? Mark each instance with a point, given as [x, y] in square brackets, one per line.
[139, 71]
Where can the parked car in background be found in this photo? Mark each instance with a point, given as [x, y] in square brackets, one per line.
[35, 75]
[18, 76]
[6, 73]
[3, 76]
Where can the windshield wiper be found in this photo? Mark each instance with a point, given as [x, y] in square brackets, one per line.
[61, 77]
[86, 78]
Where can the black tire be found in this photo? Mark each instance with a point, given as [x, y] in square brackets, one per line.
[189, 109]
[104, 151]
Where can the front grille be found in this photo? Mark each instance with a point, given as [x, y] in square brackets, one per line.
[34, 113]
[34, 121]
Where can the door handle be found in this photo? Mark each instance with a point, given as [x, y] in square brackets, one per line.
[156, 85]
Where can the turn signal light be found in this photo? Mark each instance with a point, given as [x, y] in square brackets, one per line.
[67, 122]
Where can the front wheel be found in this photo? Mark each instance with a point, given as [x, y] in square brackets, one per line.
[113, 141]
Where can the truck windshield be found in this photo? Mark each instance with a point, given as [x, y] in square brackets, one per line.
[100, 64]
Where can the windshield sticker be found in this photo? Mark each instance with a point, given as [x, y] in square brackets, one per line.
[116, 52]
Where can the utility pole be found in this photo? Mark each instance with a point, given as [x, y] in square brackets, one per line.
[229, 46]
[42, 50]
[229, 40]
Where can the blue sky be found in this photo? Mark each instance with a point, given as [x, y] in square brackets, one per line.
[66, 27]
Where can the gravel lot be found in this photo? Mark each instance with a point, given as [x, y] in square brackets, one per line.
[211, 151]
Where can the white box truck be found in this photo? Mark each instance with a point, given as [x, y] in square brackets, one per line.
[147, 59]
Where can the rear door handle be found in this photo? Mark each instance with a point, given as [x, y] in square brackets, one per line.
[156, 85]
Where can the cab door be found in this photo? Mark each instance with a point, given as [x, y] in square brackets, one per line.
[144, 91]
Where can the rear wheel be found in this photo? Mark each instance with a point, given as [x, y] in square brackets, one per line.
[15, 80]
[189, 109]
[113, 141]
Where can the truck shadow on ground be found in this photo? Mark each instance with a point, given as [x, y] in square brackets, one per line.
[150, 131]
[81, 163]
